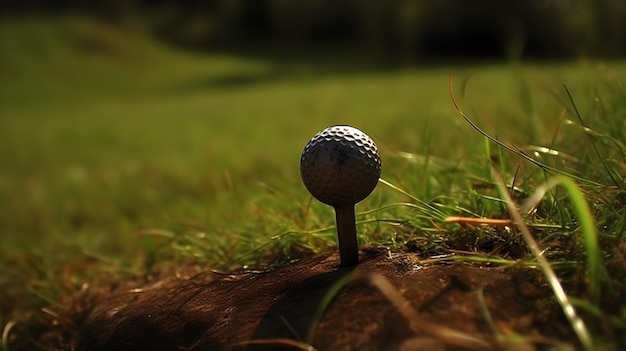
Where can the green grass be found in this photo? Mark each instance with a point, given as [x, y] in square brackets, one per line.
[121, 156]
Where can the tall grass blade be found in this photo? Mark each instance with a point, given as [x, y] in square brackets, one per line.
[593, 143]
[596, 271]
[514, 149]
[6, 331]
[427, 208]
[578, 325]
[278, 343]
[323, 306]
[419, 324]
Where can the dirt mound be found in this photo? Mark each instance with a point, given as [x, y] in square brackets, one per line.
[388, 303]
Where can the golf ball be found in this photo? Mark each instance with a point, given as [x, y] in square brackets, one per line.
[340, 166]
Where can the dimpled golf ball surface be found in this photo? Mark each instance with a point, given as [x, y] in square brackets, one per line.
[340, 166]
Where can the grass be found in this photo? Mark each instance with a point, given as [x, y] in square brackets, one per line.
[122, 157]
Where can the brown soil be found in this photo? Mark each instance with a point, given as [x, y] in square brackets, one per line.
[429, 307]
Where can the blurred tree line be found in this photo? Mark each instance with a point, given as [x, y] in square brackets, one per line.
[412, 29]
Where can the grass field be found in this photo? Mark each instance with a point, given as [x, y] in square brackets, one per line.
[121, 156]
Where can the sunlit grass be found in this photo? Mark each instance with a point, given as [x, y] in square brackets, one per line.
[596, 276]
[140, 159]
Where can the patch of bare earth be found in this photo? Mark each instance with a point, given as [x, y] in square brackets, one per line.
[390, 303]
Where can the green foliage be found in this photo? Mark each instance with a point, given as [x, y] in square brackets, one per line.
[596, 278]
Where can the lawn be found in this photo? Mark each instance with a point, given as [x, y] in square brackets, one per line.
[122, 156]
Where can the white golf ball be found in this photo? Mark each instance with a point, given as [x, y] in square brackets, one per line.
[340, 166]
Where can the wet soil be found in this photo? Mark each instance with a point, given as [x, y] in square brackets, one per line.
[386, 302]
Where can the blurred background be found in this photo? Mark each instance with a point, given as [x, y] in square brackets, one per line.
[397, 30]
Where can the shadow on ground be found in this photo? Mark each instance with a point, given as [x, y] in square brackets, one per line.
[438, 306]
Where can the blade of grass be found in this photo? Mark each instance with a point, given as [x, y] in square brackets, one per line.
[596, 270]
[593, 143]
[279, 342]
[578, 325]
[513, 149]
[419, 324]
[6, 331]
[324, 303]
[427, 208]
